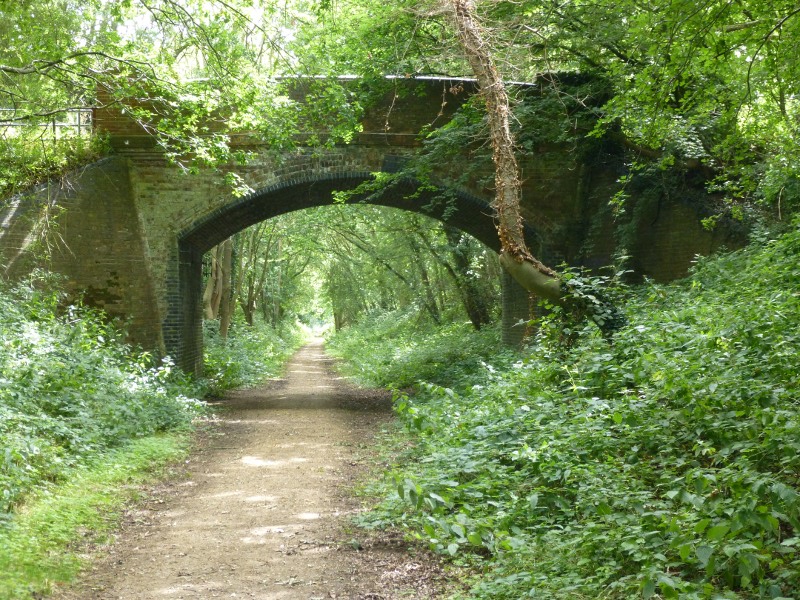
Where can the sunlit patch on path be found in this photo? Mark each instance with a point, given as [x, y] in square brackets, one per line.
[254, 461]
[264, 511]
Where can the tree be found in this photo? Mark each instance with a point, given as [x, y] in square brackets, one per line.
[190, 71]
[256, 249]
[698, 87]
[227, 302]
[362, 259]
[706, 87]
[515, 256]
[474, 299]
[212, 293]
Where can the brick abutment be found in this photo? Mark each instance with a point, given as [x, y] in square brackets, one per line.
[133, 228]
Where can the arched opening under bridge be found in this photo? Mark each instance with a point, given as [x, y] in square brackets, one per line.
[465, 212]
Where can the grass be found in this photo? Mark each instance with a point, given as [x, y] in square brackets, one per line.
[45, 543]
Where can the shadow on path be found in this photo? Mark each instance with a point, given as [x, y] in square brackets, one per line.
[264, 510]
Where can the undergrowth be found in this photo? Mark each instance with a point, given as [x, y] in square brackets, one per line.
[41, 547]
[665, 465]
[395, 350]
[249, 356]
[82, 415]
[71, 389]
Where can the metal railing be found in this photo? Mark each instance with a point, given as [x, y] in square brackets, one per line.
[74, 122]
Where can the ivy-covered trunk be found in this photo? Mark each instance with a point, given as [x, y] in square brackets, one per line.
[531, 273]
[515, 256]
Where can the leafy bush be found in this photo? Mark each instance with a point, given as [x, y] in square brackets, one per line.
[70, 389]
[401, 350]
[249, 356]
[31, 157]
[665, 465]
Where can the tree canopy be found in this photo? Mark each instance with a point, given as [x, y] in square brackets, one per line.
[705, 85]
[708, 86]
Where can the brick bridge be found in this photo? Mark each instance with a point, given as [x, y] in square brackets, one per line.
[132, 228]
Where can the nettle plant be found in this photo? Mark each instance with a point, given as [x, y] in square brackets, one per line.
[589, 298]
[664, 465]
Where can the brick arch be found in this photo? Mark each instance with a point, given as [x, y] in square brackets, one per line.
[183, 326]
[132, 224]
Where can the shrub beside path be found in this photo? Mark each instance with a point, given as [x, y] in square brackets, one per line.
[264, 509]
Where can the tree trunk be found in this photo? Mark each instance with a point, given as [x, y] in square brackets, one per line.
[226, 301]
[474, 302]
[212, 295]
[276, 295]
[248, 306]
[515, 255]
[516, 315]
[209, 310]
[429, 299]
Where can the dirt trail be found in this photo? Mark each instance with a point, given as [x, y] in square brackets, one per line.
[264, 512]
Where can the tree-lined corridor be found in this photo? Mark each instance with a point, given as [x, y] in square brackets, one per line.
[191, 190]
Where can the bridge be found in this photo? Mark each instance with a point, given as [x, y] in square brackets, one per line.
[133, 228]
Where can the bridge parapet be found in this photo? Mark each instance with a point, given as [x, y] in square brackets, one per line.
[395, 117]
[136, 226]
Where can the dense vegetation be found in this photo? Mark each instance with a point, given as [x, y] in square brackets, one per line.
[71, 390]
[417, 350]
[251, 355]
[33, 156]
[82, 415]
[664, 465]
[705, 87]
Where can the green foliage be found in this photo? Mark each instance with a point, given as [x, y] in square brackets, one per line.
[32, 157]
[70, 390]
[588, 296]
[556, 110]
[397, 350]
[663, 466]
[190, 71]
[707, 88]
[44, 545]
[249, 356]
[374, 39]
[348, 260]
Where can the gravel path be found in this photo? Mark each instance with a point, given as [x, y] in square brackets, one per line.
[264, 510]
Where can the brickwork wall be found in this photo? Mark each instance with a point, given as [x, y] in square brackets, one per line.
[182, 216]
[96, 244]
[135, 227]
